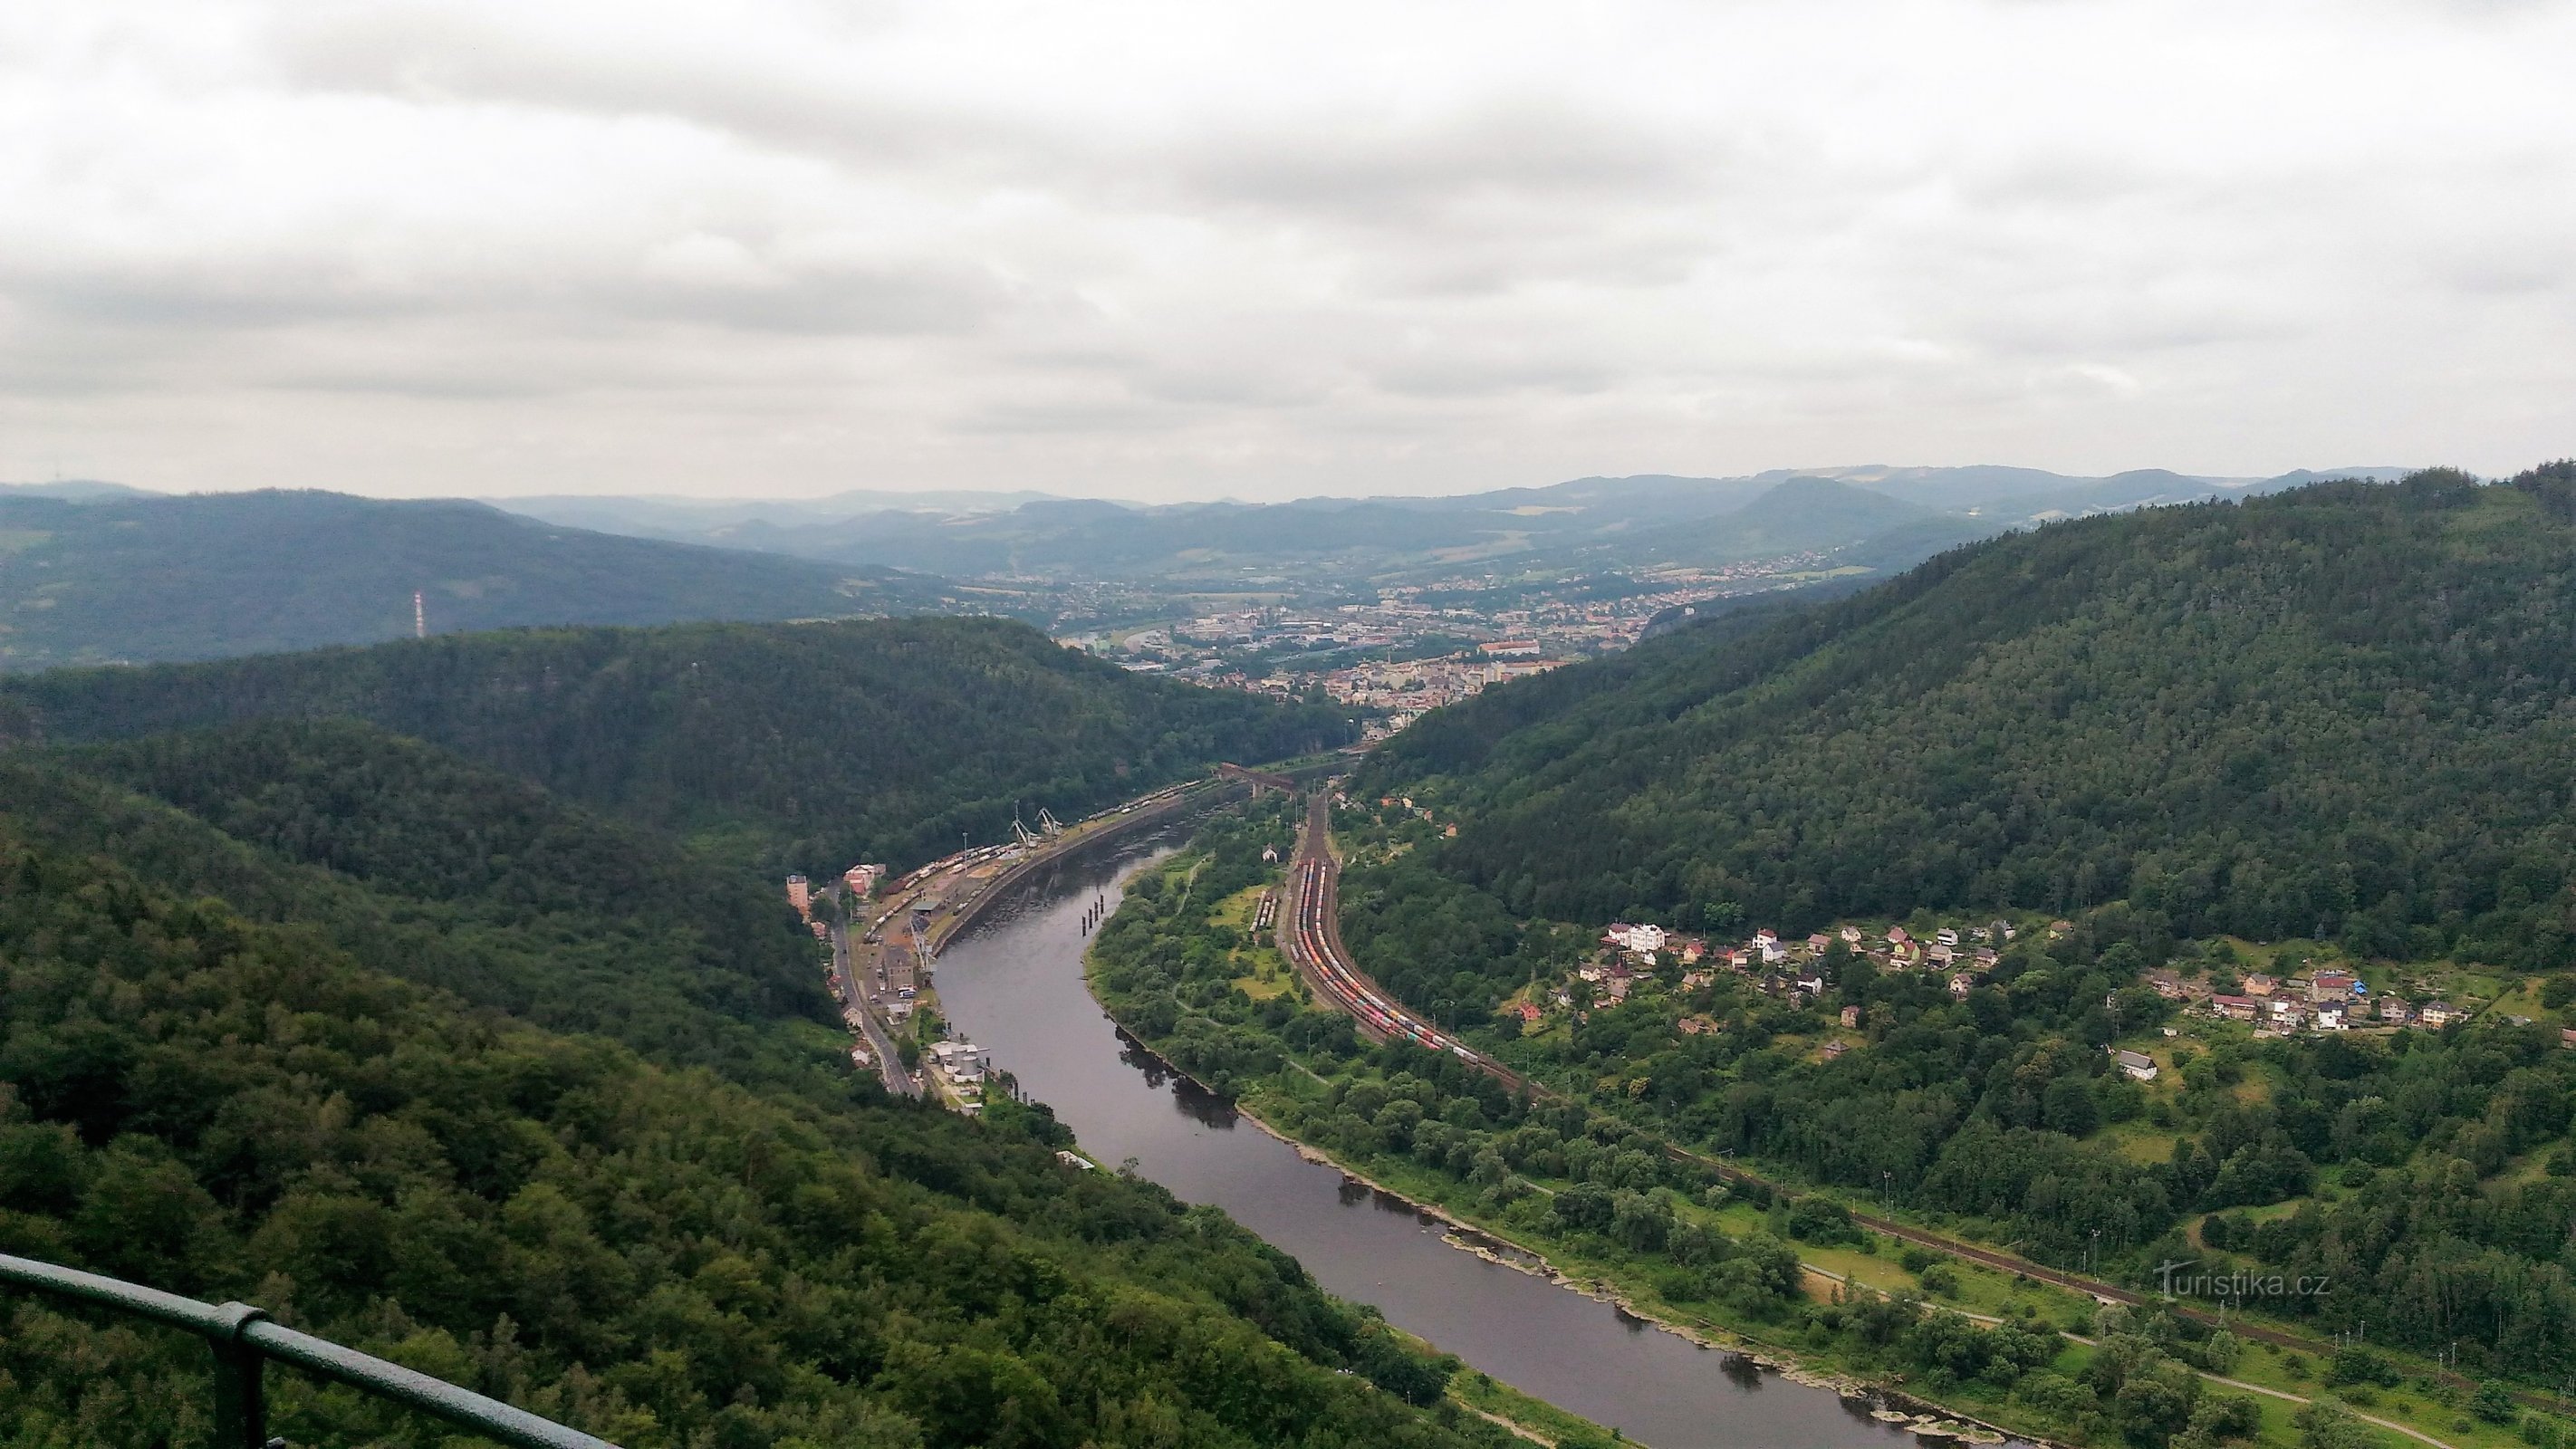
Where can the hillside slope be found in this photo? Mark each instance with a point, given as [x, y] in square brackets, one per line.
[2347, 709]
[226, 1105]
[796, 745]
[150, 578]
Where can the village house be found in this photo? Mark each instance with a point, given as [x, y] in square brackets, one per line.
[2136, 1066]
[2330, 1017]
[1897, 939]
[1946, 936]
[2259, 984]
[1529, 1013]
[2236, 1008]
[2330, 986]
[1851, 935]
[1940, 957]
[1834, 1049]
[2441, 1013]
[2567, 1036]
[1851, 1016]
[2395, 1009]
[2287, 1014]
[1960, 985]
[1818, 942]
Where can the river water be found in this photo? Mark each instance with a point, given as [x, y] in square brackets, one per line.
[1014, 984]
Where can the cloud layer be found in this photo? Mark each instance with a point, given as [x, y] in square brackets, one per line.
[773, 247]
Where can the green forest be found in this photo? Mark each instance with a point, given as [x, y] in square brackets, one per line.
[2340, 712]
[426, 1059]
[143, 577]
[2342, 719]
[789, 746]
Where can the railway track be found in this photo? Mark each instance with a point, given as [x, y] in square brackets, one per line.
[1310, 936]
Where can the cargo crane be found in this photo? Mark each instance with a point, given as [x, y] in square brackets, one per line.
[1047, 823]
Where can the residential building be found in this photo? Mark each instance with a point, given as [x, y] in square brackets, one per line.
[2259, 984]
[2236, 1008]
[2136, 1066]
[2441, 1013]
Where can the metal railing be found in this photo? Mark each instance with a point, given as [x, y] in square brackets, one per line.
[244, 1340]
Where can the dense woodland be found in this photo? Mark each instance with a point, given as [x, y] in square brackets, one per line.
[2347, 711]
[144, 577]
[664, 1215]
[793, 746]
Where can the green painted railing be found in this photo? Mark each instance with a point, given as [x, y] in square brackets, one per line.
[244, 1341]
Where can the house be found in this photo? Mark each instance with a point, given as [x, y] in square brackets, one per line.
[1768, 943]
[1529, 1013]
[1851, 1016]
[1940, 956]
[2330, 986]
[1960, 985]
[2330, 1018]
[1834, 1049]
[2235, 1008]
[2441, 1013]
[2001, 930]
[1812, 985]
[2136, 1066]
[1897, 938]
[1691, 1026]
[1985, 958]
[2059, 928]
[2395, 1009]
[2287, 1014]
[1946, 936]
[1818, 942]
[2259, 984]
[1851, 935]
[2567, 1037]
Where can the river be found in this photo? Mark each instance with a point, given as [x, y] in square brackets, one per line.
[1014, 984]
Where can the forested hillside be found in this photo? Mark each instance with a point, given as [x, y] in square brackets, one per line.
[204, 1086]
[2346, 711]
[146, 577]
[796, 746]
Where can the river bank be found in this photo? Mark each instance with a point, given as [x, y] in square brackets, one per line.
[1492, 1243]
[1016, 984]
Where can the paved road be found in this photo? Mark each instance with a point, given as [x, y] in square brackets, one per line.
[862, 994]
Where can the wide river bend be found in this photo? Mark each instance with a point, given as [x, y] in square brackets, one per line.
[1014, 984]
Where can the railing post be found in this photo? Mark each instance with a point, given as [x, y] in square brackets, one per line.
[241, 1398]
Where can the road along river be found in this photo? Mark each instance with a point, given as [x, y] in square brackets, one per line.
[1013, 982]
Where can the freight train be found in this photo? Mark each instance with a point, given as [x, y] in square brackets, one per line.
[1383, 1017]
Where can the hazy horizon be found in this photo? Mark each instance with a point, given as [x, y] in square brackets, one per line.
[1146, 251]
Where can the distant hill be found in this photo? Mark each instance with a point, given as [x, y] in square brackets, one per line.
[789, 744]
[1887, 514]
[2339, 709]
[123, 579]
[1799, 515]
[76, 490]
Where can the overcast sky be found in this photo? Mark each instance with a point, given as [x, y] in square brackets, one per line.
[767, 248]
